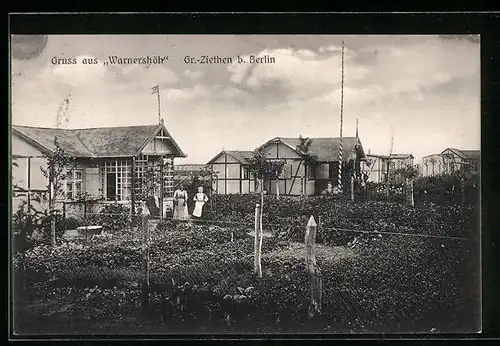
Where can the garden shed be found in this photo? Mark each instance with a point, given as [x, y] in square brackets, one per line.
[300, 176]
[111, 162]
[308, 177]
[232, 173]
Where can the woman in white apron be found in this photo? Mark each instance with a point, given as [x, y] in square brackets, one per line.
[180, 204]
[200, 199]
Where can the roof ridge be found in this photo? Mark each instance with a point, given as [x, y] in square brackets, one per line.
[81, 128]
[85, 145]
[111, 127]
[41, 128]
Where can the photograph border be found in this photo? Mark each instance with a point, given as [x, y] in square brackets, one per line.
[314, 24]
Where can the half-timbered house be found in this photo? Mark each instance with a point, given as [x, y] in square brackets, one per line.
[300, 175]
[377, 166]
[451, 160]
[231, 172]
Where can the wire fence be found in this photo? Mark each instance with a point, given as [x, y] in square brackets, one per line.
[134, 220]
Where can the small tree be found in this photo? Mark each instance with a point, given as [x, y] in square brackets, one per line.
[409, 173]
[59, 164]
[304, 150]
[263, 168]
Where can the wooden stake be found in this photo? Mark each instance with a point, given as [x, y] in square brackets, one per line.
[53, 229]
[277, 189]
[462, 191]
[412, 200]
[257, 242]
[52, 198]
[310, 240]
[352, 188]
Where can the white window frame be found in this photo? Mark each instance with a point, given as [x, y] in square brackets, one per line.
[72, 180]
[121, 168]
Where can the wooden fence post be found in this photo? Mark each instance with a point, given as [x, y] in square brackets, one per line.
[145, 246]
[462, 191]
[310, 240]
[352, 188]
[412, 199]
[257, 242]
[53, 228]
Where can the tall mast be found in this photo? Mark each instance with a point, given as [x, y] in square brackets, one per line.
[341, 121]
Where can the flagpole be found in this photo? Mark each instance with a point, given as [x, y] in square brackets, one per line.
[159, 108]
[156, 90]
[341, 121]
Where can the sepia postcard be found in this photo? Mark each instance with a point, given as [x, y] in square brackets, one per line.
[245, 184]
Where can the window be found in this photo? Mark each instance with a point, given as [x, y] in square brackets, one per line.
[115, 175]
[311, 170]
[144, 163]
[246, 172]
[287, 171]
[74, 184]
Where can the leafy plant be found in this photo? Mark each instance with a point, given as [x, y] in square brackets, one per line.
[304, 148]
[263, 168]
[114, 217]
[59, 164]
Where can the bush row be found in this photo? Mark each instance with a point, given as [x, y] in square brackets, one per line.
[394, 284]
[289, 216]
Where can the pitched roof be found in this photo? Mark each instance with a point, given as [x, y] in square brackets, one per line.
[401, 156]
[466, 154]
[325, 149]
[116, 141]
[43, 139]
[94, 142]
[241, 156]
[472, 154]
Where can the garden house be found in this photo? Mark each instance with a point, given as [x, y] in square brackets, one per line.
[111, 163]
[301, 175]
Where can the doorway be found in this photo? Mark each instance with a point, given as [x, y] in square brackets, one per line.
[111, 186]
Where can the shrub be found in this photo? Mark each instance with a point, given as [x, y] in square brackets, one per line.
[72, 223]
[288, 217]
[113, 217]
[447, 188]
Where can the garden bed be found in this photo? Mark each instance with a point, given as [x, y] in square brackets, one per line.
[202, 282]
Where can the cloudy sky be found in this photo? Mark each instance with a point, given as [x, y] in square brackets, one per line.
[425, 90]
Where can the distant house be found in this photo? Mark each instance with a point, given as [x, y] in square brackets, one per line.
[110, 161]
[452, 160]
[298, 177]
[185, 173]
[376, 166]
[231, 172]
[432, 165]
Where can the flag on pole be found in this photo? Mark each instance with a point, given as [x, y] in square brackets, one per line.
[155, 90]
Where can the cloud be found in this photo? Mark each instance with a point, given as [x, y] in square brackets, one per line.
[332, 49]
[427, 88]
[422, 65]
[303, 73]
[197, 92]
[79, 74]
[193, 75]
[141, 77]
